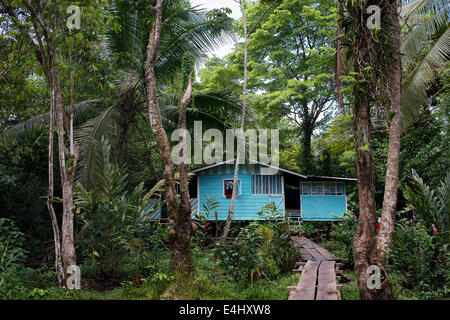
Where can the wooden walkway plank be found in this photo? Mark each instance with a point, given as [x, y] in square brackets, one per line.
[316, 254]
[309, 248]
[327, 254]
[306, 287]
[305, 255]
[318, 279]
[326, 288]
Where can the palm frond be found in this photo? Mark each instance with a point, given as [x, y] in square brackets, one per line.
[422, 34]
[81, 113]
[210, 108]
[189, 31]
[159, 187]
[88, 136]
[417, 83]
[419, 6]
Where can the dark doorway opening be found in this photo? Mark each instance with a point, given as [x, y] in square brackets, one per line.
[292, 193]
[193, 187]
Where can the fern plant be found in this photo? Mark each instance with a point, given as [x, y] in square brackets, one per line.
[431, 206]
[115, 224]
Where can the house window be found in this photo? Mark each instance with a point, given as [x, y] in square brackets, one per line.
[332, 188]
[322, 188]
[228, 188]
[339, 189]
[267, 184]
[306, 188]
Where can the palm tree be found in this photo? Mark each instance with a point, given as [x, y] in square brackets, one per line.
[426, 51]
[186, 29]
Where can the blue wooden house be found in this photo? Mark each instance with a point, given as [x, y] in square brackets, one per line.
[309, 198]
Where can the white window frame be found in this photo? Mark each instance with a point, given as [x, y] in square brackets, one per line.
[280, 189]
[335, 187]
[238, 193]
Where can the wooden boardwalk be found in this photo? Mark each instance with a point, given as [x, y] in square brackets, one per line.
[311, 251]
[318, 270]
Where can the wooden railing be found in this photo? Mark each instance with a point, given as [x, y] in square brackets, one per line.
[195, 205]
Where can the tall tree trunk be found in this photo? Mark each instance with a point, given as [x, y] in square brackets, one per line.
[241, 129]
[44, 38]
[66, 168]
[55, 226]
[183, 226]
[160, 133]
[306, 154]
[364, 241]
[339, 61]
[394, 119]
[366, 90]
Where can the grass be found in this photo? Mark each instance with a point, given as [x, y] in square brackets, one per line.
[210, 282]
[350, 291]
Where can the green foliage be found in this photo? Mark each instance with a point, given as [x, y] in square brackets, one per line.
[426, 51]
[11, 245]
[114, 221]
[431, 206]
[336, 148]
[420, 249]
[208, 210]
[424, 263]
[11, 256]
[261, 249]
[423, 149]
[210, 282]
[343, 233]
[24, 176]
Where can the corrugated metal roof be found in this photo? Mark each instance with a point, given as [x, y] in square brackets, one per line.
[277, 168]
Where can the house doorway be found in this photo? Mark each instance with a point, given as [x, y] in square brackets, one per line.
[291, 194]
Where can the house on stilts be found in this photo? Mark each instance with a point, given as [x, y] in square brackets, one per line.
[299, 196]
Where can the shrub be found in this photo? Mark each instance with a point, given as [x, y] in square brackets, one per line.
[115, 224]
[11, 256]
[208, 209]
[343, 233]
[11, 245]
[423, 262]
[261, 249]
[431, 206]
[420, 249]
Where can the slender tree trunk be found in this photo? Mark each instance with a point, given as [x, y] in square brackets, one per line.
[160, 133]
[306, 155]
[395, 123]
[183, 226]
[67, 169]
[241, 129]
[55, 226]
[339, 61]
[44, 37]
